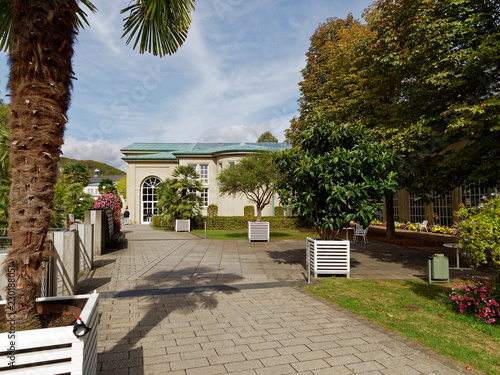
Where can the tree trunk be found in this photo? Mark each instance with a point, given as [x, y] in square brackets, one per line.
[259, 213]
[40, 82]
[390, 231]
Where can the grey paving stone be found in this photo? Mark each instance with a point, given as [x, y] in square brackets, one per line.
[178, 304]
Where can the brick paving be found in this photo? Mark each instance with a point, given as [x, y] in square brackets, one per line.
[174, 303]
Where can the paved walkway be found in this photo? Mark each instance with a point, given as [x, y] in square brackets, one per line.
[174, 303]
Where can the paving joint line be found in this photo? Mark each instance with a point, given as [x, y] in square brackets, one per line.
[202, 289]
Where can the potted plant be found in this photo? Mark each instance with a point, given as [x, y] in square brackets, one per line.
[337, 174]
[68, 349]
[254, 178]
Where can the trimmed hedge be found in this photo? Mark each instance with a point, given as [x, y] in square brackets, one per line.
[240, 222]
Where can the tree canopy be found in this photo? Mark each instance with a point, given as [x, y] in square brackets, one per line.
[254, 177]
[267, 137]
[424, 77]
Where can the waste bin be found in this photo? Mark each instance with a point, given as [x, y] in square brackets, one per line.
[439, 268]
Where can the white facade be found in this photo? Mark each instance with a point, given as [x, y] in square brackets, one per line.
[149, 164]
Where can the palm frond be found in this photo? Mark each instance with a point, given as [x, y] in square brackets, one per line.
[158, 26]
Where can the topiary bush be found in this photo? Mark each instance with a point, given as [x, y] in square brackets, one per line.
[279, 211]
[249, 213]
[212, 210]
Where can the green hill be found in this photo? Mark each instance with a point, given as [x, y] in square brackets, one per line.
[92, 165]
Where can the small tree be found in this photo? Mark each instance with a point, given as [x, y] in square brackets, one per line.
[253, 176]
[177, 198]
[75, 173]
[267, 137]
[107, 186]
[479, 234]
[75, 201]
[337, 174]
[121, 187]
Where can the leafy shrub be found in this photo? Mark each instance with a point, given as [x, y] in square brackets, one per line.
[478, 296]
[279, 211]
[212, 210]
[479, 233]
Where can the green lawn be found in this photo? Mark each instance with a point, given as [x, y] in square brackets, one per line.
[436, 325]
[242, 234]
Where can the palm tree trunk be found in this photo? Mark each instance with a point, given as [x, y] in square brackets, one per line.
[40, 82]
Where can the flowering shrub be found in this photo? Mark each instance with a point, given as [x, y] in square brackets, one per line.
[112, 202]
[478, 296]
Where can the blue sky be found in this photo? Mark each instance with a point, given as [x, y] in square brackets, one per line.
[235, 77]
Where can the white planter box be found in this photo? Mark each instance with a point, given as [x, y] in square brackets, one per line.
[328, 257]
[183, 225]
[258, 231]
[51, 351]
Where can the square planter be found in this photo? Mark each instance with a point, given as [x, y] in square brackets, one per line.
[57, 350]
[258, 231]
[328, 257]
[183, 225]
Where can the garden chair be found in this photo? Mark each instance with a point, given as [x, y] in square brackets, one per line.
[360, 232]
[423, 226]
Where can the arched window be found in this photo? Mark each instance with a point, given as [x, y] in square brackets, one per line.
[148, 199]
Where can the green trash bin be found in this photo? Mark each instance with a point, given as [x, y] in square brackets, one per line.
[439, 268]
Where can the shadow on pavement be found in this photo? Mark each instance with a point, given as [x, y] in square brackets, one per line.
[178, 297]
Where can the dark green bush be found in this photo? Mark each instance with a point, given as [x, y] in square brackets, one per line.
[279, 211]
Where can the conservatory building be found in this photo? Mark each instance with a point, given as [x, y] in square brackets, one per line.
[148, 164]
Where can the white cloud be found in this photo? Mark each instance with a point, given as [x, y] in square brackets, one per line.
[99, 150]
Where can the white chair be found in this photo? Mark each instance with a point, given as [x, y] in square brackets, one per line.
[360, 232]
[423, 226]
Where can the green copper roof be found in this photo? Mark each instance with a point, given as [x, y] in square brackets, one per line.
[157, 156]
[167, 151]
[159, 147]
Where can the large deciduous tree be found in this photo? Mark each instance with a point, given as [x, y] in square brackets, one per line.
[442, 60]
[40, 35]
[424, 76]
[254, 177]
[338, 173]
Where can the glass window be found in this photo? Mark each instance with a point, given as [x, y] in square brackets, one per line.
[204, 197]
[149, 199]
[417, 214]
[204, 174]
[441, 205]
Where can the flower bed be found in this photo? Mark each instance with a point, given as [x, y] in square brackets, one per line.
[415, 227]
